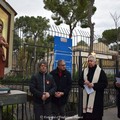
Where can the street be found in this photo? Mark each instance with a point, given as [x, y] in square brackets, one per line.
[109, 114]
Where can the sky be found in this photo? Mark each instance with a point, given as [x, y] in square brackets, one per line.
[101, 18]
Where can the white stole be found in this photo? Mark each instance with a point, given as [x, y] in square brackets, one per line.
[89, 107]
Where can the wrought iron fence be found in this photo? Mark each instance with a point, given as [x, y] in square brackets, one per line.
[25, 111]
[29, 61]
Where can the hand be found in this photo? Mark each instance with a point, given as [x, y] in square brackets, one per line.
[45, 95]
[86, 82]
[59, 94]
[6, 45]
[117, 84]
[3, 42]
[90, 85]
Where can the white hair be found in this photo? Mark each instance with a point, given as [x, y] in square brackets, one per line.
[92, 57]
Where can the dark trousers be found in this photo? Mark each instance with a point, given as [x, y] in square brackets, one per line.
[88, 116]
[118, 104]
[58, 111]
[42, 111]
[118, 112]
[91, 119]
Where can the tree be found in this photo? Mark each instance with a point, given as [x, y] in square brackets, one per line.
[16, 41]
[69, 12]
[31, 26]
[91, 25]
[88, 22]
[109, 36]
[116, 20]
[33, 30]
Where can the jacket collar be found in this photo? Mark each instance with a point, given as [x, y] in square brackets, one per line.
[57, 71]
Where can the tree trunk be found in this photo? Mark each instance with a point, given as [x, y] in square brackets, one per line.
[91, 25]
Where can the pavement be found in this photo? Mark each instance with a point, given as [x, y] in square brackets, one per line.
[109, 114]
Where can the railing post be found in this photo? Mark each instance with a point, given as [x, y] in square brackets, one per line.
[100, 63]
[117, 65]
[80, 91]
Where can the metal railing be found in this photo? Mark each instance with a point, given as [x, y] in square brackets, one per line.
[25, 111]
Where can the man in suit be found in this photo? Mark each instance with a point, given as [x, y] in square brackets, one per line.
[63, 81]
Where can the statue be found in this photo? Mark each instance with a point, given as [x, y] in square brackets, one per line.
[3, 43]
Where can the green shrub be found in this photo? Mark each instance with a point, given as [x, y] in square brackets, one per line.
[7, 113]
[110, 77]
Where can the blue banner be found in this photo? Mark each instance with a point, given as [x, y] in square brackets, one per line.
[63, 50]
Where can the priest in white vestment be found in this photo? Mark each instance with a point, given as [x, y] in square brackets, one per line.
[93, 80]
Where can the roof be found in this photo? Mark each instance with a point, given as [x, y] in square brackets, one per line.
[10, 7]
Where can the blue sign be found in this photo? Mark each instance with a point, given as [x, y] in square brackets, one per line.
[63, 50]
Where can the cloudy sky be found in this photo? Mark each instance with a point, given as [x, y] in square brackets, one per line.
[102, 17]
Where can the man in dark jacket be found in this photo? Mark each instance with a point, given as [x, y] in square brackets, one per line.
[117, 87]
[63, 81]
[42, 86]
[93, 81]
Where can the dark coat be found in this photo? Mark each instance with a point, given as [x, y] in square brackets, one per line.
[38, 86]
[118, 92]
[99, 88]
[64, 84]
